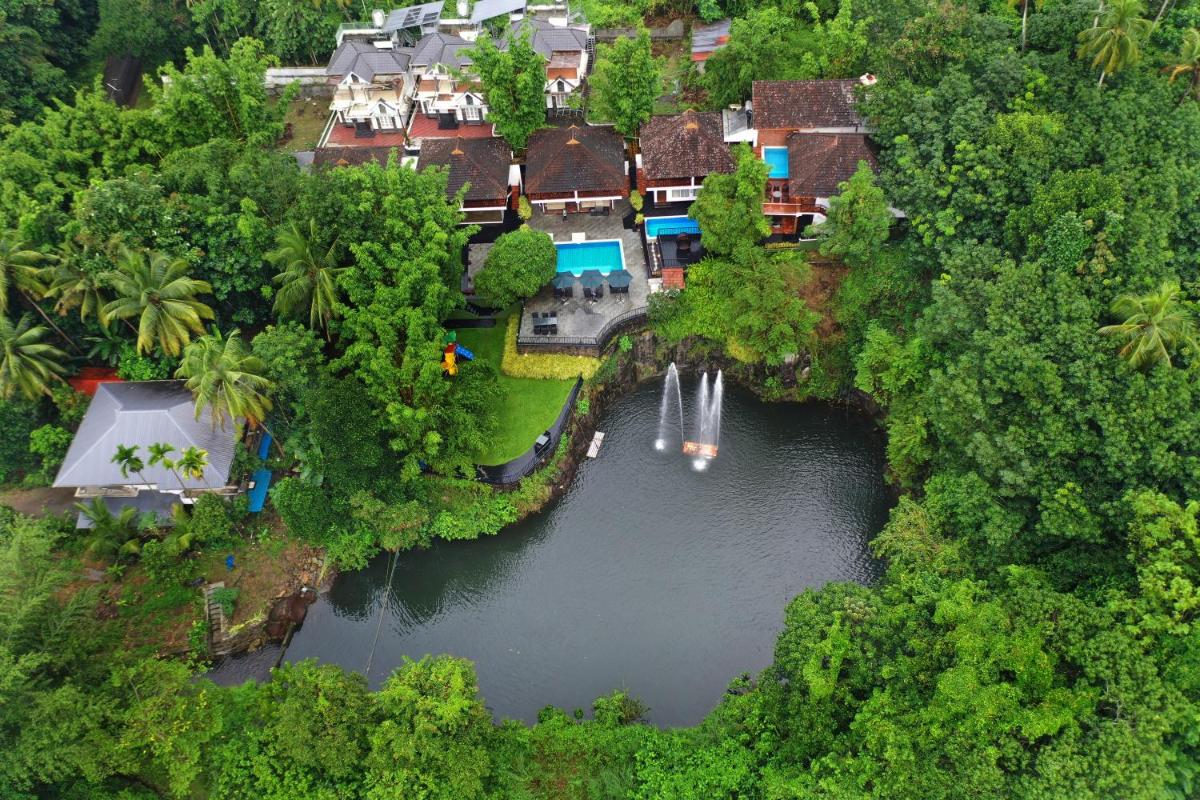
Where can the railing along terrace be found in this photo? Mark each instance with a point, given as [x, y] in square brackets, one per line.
[549, 341]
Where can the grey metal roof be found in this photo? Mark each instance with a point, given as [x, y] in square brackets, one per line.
[141, 414]
[708, 38]
[486, 9]
[366, 60]
[146, 502]
[547, 38]
[441, 48]
[413, 17]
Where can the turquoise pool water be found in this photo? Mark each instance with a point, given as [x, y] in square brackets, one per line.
[674, 224]
[575, 257]
[777, 160]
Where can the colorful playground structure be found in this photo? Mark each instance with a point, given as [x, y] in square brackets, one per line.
[452, 352]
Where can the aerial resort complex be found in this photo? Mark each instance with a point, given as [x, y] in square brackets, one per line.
[600, 400]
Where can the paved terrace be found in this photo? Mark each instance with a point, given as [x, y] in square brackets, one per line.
[577, 317]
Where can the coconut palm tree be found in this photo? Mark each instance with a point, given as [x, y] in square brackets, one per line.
[20, 268]
[111, 535]
[160, 454]
[307, 280]
[129, 460]
[73, 287]
[27, 364]
[226, 377]
[1114, 42]
[1024, 5]
[192, 463]
[1155, 324]
[1188, 63]
[157, 290]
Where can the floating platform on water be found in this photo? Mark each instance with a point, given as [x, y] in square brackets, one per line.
[700, 449]
[594, 447]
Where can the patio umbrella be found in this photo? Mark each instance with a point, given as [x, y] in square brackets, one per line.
[591, 279]
[563, 280]
[619, 279]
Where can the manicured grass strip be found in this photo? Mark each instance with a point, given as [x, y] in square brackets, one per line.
[527, 406]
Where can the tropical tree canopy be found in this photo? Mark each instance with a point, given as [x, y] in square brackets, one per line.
[20, 268]
[158, 291]
[1115, 42]
[74, 286]
[1155, 325]
[28, 365]
[225, 377]
[1188, 62]
[307, 280]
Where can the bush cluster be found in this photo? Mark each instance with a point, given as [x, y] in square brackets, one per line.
[548, 366]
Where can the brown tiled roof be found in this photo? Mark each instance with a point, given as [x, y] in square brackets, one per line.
[672, 278]
[481, 162]
[354, 156]
[575, 159]
[818, 162]
[805, 104]
[684, 145]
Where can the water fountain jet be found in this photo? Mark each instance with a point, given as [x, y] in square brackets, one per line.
[670, 389]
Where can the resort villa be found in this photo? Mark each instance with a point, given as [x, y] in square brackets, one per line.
[139, 414]
[406, 77]
[812, 137]
[677, 152]
[485, 167]
[577, 168]
[404, 89]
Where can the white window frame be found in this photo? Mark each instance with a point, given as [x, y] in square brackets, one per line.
[682, 194]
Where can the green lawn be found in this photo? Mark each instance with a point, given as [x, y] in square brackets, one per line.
[308, 120]
[527, 406]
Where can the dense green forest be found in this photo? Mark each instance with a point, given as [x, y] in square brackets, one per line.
[1028, 330]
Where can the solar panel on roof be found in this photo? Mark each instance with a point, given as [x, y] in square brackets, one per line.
[413, 17]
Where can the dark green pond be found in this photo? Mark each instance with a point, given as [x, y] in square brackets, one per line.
[646, 575]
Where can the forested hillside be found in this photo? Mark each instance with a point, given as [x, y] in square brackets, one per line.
[1028, 329]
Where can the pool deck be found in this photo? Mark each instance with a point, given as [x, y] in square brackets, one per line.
[579, 318]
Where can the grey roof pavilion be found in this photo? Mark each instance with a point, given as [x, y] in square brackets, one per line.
[487, 9]
[141, 414]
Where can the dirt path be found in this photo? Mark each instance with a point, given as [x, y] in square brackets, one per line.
[39, 502]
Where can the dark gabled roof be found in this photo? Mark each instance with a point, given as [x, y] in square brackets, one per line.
[141, 414]
[481, 162]
[546, 38]
[684, 145]
[805, 104]
[441, 48]
[818, 162]
[487, 9]
[366, 60]
[353, 156]
[575, 159]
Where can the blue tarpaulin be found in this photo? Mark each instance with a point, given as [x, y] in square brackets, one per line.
[258, 495]
[261, 477]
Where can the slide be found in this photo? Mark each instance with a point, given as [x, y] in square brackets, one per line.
[464, 353]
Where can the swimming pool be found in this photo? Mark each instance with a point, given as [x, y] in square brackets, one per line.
[605, 255]
[674, 224]
[777, 160]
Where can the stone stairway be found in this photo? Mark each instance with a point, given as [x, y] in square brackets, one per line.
[218, 626]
